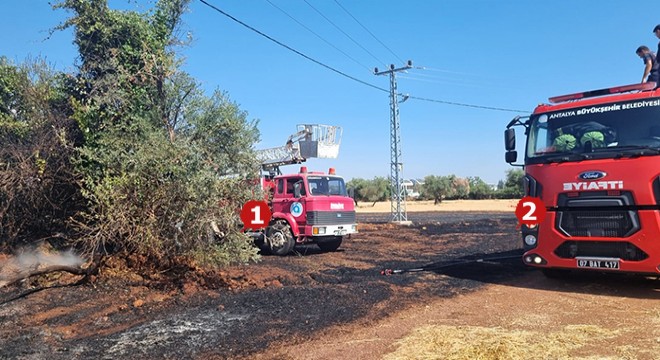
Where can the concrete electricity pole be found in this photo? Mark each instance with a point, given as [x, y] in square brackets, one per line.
[398, 197]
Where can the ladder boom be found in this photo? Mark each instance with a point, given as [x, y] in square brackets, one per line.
[310, 141]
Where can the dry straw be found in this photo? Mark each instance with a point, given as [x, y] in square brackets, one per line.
[481, 343]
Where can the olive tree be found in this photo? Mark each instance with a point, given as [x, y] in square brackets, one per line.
[162, 165]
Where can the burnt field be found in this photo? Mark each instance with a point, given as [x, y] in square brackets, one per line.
[287, 307]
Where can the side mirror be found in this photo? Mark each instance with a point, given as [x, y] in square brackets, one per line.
[297, 190]
[510, 139]
[511, 156]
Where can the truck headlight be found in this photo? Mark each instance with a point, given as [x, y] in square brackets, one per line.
[318, 230]
[530, 240]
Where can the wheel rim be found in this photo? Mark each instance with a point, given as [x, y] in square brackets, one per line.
[277, 239]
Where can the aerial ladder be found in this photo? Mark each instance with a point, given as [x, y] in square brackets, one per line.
[310, 141]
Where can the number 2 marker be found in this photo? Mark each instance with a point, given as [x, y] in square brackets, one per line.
[530, 211]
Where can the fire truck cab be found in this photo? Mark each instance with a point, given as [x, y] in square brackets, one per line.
[593, 158]
[309, 207]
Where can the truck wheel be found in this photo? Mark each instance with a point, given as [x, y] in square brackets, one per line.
[279, 240]
[261, 244]
[329, 244]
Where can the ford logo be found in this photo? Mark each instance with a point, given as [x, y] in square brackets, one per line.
[592, 175]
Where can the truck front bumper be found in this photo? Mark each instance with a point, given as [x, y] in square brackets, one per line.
[637, 253]
[331, 230]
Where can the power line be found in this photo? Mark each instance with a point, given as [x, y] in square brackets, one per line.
[465, 105]
[344, 74]
[443, 70]
[417, 79]
[292, 49]
[447, 75]
[461, 79]
[450, 73]
[452, 82]
[317, 35]
[370, 33]
[343, 32]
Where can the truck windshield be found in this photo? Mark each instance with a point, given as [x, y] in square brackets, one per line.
[609, 130]
[326, 185]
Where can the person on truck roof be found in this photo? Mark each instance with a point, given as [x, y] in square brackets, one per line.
[656, 31]
[650, 64]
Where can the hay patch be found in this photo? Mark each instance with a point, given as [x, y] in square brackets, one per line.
[482, 343]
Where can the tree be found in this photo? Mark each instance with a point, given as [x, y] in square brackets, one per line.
[155, 148]
[514, 179]
[377, 189]
[354, 187]
[437, 188]
[374, 190]
[479, 189]
[39, 189]
[128, 71]
[460, 187]
[513, 184]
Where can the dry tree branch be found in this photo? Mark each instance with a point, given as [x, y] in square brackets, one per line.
[27, 273]
[16, 269]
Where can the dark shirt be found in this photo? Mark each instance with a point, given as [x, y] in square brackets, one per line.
[654, 75]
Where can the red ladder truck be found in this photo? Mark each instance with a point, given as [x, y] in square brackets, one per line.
[307, 207]
[593, 159]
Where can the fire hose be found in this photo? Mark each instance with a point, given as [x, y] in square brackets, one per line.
[438, 266]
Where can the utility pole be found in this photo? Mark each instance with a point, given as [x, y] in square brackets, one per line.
[398, 197]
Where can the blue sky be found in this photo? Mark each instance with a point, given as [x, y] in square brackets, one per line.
[503, 54]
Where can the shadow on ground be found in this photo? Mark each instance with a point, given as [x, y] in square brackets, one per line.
[507, 268]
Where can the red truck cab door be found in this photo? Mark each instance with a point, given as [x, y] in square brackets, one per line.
[285, 200]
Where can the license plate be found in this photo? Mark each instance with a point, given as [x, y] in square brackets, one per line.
[598, 263]
[341, 232]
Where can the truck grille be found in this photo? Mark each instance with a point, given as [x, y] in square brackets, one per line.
[614, 249]
[597, 223]
[330, 217]
[597, 214]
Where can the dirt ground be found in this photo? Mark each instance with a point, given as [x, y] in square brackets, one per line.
[314, 305]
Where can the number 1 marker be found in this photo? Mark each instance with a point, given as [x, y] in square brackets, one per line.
[255, 215]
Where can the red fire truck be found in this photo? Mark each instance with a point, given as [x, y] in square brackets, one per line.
[307, 207]
[593, 158]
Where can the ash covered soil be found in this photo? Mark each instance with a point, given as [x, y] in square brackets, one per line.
[327, 305]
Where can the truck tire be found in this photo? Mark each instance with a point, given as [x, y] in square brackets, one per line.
[260, 242]
[330, 243]
[279, 239]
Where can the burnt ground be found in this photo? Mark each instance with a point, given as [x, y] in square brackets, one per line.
[280, 302]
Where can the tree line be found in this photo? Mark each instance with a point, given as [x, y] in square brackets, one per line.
[439, 188]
